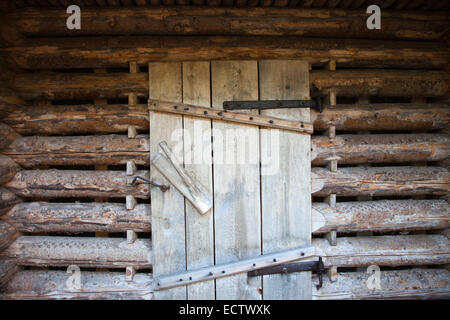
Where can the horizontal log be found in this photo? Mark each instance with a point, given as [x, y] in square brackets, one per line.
[380, 181]
[82, 251]
[117, 149]
[54, 86]
[77, 183]
[8, 169]
[384, 215]
[45, 284]
[79, 150]
[234, 21]
[384, 250]
[7, 200]
[7, 270]
[78, 217]
[7, 135]
[378, 148]
[384, 83]
[379, 117]
[7, 234]
[353, 83]
[105, 52]
[398, 284]
[82, 119]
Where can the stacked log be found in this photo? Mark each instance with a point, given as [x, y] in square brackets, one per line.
[80, 251]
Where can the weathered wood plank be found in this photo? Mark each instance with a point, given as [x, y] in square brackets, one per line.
[235, 21]
[8, 200]
[7, 234]
[78, 217]
[224, 115]
[413, 250]
[52, 285]
[377, 181]
[7, 270]
[8, 169]
[67, 119]
[7, 135]
[105, 52]
[380, 148]
[236, 179]
[285, 182]
[384, 83]
[404, 284]
[76, 183]
[168, 215]
[79, 150]
[384, 215]
[379, 117]
[81, 251]
[53, 86]
[197, 158]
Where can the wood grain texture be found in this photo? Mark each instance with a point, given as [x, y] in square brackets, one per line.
[399, 284]
[110, 52]
[384, 215]
[168, 215]
[379, 148]
[7, 270]
[7, 135]
[286, 195]
[82, 251]
[8, 169]
[52, 285]
[80, 119]
[235, 21]
[236, 184]
[78, 217]
[77, 183]
[198, 158]
[400, 250]
[8, 200]
[79, 150]
[380, 181]
[7, 234]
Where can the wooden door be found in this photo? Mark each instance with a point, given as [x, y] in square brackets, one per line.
[259, 206]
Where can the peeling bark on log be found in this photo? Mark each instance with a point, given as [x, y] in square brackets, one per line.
[384, 83]
[75, 183]
[7, 135]
[81, 251]
[79, 150]
[378, 117]
[44, 284]
[105, 52]
[78, 217]
[8, 169]
[58, 119]
[7, 270]
[64, 119]
[7, 200]
[384, 215]
[7, 234]
[53, 86]
[380, 181]
[234, 21]
[404, 284]
[384, 251]
[353, 83]
[387, 148]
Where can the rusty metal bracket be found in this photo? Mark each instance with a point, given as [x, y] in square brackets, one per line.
[316, 267]
[277, 104]
[162, 187]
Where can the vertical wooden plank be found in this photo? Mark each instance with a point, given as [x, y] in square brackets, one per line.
[286, 193]
[168, 218]
[198, 159]
[237, 205]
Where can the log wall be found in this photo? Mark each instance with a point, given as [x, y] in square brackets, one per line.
[68, 118]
